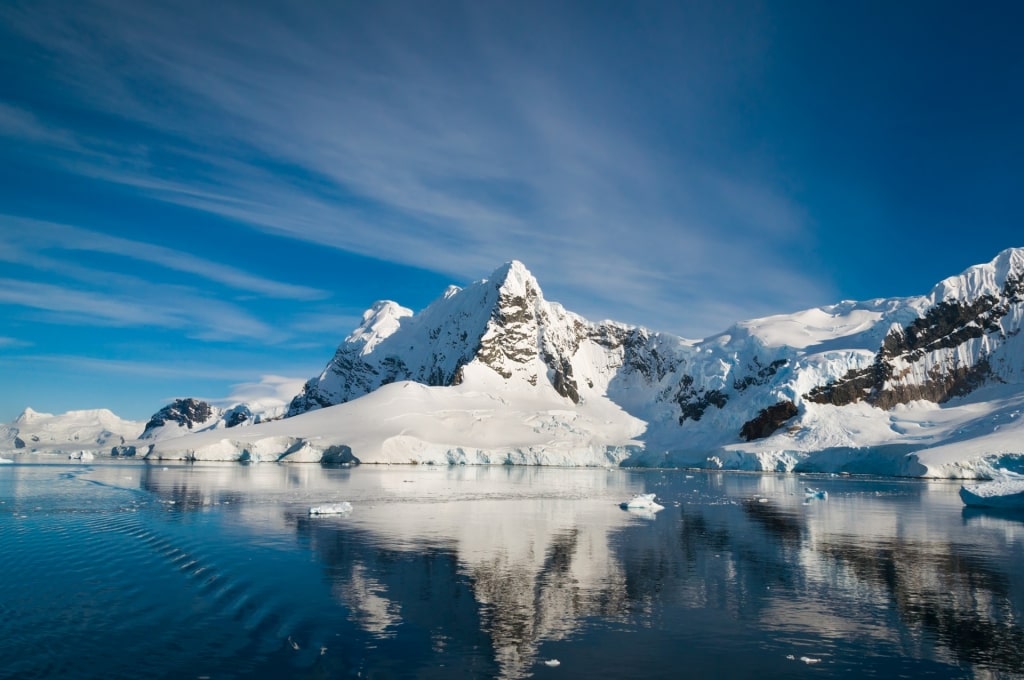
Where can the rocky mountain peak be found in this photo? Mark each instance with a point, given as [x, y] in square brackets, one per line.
[27, 416]
[187, 413]
[379, 322]
[991, 278]
[514, 279]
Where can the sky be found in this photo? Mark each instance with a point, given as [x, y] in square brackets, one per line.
[200, 199]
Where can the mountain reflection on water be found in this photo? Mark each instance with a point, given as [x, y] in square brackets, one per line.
[489, 571]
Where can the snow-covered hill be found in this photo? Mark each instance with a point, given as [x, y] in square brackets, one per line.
[494, 372]
[67, 433]
[186, 416]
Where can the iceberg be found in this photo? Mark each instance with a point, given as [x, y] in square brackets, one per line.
[5, 460]
[331, 509]
[1006, 492]
[816, 493]
[641, 501]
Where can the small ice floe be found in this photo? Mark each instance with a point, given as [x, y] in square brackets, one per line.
[815, 493]
[1006, 492]
[293, 643]
[553, 663]
[331, 509]
[83, 456]
[641, 501]
[809, 660]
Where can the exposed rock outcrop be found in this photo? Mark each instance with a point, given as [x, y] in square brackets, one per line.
[942, 354]
[768, 420]
[187, 413]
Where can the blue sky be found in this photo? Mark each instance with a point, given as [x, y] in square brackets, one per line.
[201, 198]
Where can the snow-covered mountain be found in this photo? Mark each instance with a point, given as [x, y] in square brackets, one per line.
[494, 372]
[503, 323]
[68, 433]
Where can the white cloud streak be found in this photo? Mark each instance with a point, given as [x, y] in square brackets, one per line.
[12, 343]
[268, 390]
[161, 307]
[140, 369]
[38, 235]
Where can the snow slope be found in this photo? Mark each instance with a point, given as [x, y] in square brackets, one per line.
[476, 422]
[67, 433]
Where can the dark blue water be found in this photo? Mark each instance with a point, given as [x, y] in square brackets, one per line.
[216, 571]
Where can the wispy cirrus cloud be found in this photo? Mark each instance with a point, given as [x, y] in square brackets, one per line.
[162, 307]
[10, 343]
[357, 128]
[32, 236]
[141, 369]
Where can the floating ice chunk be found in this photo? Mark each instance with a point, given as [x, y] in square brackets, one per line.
[331, 509]
[641, 501]
[553, 663]
[83, 456]
[809, 660]
[1007, 492]
[5, 460]
[816, 493]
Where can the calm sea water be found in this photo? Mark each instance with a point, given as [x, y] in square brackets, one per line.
[127, 570]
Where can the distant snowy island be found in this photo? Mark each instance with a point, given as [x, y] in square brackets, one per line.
[494, 373]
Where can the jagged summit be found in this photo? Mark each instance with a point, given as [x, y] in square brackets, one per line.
[28, 415]
[514, 278]
[379, 322]
[498, 323]
[990, 278]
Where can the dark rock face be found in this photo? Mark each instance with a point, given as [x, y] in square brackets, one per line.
[694, 402]
[563, 381]
[309, 399]
[760, 374]
[338, 455]
[946, 325]
[187, 412]
[517, 342]
[768, 420]
[123, 451]
[237, 415]
[19, 443]
[640, 355]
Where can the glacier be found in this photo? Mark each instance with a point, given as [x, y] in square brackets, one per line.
[494, 373]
